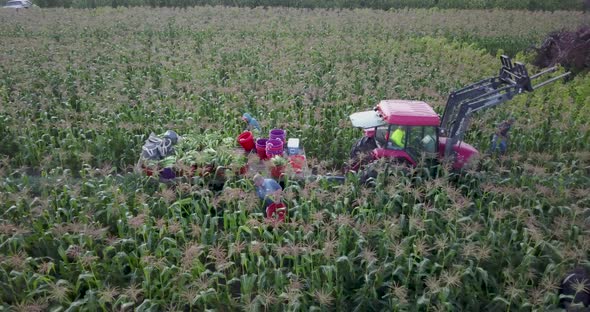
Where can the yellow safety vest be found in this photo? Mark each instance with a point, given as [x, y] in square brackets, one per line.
[398, 137]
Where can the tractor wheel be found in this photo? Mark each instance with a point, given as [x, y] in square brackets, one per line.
[361, 152]
[368, 173]
[372, 170]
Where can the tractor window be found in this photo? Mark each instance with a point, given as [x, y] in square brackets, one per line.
[397, 137]
[422, 140]
[429, 140]
[381, 135]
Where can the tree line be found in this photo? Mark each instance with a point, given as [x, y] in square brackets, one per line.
[545, 5]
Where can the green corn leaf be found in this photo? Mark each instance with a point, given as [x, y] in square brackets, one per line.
[77, 305]
[501, 300]
[422, 300]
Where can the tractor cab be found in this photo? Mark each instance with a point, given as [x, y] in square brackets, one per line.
[403, 130]
[416, 141]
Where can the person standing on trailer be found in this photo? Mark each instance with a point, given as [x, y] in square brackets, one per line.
[253, 124]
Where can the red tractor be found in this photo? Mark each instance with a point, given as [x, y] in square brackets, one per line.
[408, 131]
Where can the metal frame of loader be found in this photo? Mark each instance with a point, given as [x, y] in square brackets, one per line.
[513, 79]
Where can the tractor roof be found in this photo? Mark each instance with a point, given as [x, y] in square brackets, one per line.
[408, 113]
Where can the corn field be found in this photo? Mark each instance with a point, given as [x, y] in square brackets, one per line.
[81, 90]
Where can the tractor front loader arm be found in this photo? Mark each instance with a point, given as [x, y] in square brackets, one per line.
[513, 79]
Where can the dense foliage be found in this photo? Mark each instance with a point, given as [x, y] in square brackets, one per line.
[568, 48]
[547, 5]
[82, 90]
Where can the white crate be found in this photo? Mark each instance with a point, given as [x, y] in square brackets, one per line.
[293, 146]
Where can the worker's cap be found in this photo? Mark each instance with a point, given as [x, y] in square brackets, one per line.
[173, 136]
[246, 117]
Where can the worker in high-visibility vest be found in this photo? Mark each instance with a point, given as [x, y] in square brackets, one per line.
[398, 137]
